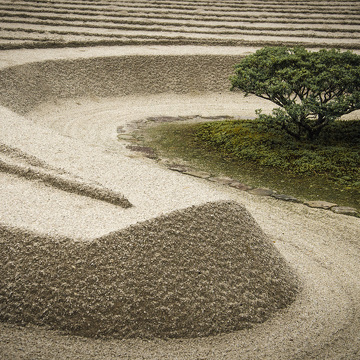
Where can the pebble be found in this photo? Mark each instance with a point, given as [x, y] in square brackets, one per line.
[285, 198]
[345, 210]
[199, 174]
[240, 186]
[120, 130]
[164, 118]
[127, 137]
[320, 204]
[261, 192]
[222, 180]
[179, 168]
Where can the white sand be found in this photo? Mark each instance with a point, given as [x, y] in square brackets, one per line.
[323, 247]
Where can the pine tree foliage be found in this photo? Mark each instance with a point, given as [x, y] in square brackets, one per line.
[311, 88]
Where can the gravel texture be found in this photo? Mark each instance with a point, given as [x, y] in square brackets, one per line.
[197, 272]
[67, 128]
[24, 87]
[13, 161]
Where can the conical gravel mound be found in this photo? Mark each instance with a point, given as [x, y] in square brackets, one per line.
[196, 272]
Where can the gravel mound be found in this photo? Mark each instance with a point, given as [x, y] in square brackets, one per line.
[196, 272]
[26, 86]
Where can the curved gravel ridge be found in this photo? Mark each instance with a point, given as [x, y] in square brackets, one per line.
[24, 87]
[322, 323]
[197, 272]
[14, 161]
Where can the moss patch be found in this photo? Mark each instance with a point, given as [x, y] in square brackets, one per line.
[335, 155]
[248, 151]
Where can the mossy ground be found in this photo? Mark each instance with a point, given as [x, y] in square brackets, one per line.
[247, 150]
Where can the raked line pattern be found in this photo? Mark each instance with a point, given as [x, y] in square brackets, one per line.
[43, 23]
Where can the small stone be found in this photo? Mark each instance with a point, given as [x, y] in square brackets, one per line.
[179, 168]
[199, 174]
[125, 137]
[285, 198]
[120, 130]
[163, 119]
[320, 204]
[222, 180]
[345, 210]
[240, 186]
[261, 192]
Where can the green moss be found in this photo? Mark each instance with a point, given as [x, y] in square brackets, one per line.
[250, 153]
[335, 155]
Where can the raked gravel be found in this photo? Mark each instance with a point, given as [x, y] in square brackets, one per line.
[320, 246]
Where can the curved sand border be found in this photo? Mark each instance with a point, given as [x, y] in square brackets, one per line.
[324, 251]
